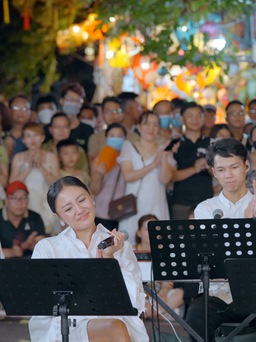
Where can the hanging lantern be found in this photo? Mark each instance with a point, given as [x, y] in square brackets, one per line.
[26, 20]
[6, 12]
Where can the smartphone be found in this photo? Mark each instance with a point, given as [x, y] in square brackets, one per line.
[172, 143]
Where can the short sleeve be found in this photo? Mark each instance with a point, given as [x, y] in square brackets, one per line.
[126, 152]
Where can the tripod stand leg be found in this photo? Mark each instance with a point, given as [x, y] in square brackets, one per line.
[177, 318]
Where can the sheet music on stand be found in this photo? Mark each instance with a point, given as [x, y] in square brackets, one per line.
[176, 246]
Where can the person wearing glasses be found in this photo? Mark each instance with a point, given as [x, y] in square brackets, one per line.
[21, 228]
[112, 113]
[235, 117]
[20, 114]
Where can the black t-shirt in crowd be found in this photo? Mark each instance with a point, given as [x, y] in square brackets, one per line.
[9, 235]
[198, 187]
[81, 134]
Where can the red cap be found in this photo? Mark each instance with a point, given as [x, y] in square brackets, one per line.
[14, 186]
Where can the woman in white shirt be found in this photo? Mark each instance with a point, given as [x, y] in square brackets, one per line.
[72, 204]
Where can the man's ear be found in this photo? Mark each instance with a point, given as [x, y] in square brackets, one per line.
[247, 165]
[212, 168]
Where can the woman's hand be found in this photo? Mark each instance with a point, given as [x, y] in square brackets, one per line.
[118, 244]
[250, 211]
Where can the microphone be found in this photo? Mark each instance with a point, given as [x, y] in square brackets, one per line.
[217, 214]
[110, 241]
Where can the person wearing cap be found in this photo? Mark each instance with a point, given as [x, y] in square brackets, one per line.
[21, 228]
[209, 119]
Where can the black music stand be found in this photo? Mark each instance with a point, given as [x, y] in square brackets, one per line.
[241, 274]
[62, 287]
[191, 250]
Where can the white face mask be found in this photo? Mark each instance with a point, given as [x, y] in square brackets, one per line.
[45, 115]
[71, 108]
[91, 122]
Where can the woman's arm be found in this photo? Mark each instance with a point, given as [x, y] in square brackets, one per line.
[131, 175]
[53, 173]
[166, 170]
[97, 173]
[16, 172]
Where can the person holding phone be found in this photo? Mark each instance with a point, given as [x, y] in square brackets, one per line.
[71, 202]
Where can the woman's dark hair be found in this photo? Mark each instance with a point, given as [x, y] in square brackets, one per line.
[217, 127]
[59, 115]
[226, 148]
[140, 223]
[115, 125]
[58, 185]
[144, 116]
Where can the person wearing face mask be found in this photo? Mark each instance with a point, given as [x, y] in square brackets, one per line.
[88, 115]
[112, 112]
[71, 101]
[176, 121]
[46, 107]
[107, 182]
[163, 109]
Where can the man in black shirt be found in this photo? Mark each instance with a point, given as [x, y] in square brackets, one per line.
[20, 228]
[193, 182]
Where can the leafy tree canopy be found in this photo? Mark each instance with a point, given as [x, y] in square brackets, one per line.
[27, 55]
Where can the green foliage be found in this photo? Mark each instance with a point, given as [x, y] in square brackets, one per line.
[25, 55]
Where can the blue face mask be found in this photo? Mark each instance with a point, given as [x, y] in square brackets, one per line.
[165, 121]
[115, 142]
[176, 121]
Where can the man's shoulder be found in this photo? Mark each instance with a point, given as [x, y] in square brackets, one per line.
[206, 208]
[33, 215]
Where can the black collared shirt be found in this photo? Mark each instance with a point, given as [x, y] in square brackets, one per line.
[31, 222]
[198, 187]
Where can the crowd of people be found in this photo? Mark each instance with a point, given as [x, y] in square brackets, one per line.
[101, 153]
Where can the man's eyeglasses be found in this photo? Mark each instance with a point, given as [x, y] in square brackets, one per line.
[23, 109]
[113, 111]
[237, 113]
[18, 199]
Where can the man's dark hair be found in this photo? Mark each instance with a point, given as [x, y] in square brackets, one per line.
[226, 148]
[89, 107]
[125, 97]
[188, 105]
[253, 101]
[110, 99]
[46, 99]
[58, 185]
[177, 102]
[233, 102]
